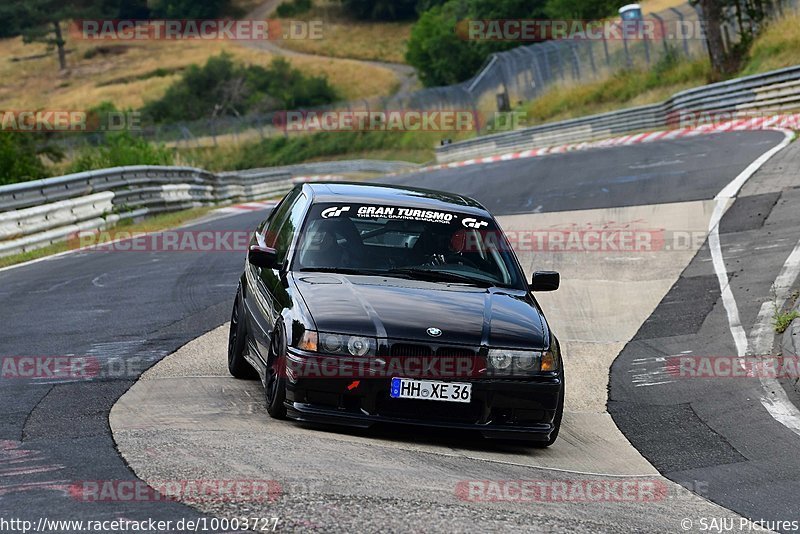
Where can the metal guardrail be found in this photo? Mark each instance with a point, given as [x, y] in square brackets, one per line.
[40, 212]
[773, 91]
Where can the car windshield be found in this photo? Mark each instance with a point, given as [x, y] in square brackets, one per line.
[426, 244]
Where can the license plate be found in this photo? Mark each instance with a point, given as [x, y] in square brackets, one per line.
[409, 388]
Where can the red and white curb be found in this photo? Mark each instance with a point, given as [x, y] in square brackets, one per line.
[774, 122]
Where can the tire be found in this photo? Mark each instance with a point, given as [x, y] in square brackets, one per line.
[237, 342]
[275, 383]
[556, 420]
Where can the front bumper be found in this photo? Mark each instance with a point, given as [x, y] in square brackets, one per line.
[510, 408]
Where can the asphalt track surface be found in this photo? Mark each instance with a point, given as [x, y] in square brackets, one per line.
[143, 306]
[717, 430]
[675, 171]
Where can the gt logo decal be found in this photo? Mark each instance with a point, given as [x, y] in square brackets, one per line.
[334, 211]
[469, 222]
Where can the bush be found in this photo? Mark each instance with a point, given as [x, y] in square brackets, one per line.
[19, 158]
[222, 87]
[121, 149]
[293, 8]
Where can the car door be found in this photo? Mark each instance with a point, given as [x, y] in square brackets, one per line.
[271, 298]
[258, 297]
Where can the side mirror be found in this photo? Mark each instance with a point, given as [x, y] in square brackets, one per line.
[261, 256]
[545, 281]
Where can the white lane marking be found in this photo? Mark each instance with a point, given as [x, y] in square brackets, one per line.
[773, 397]
[728, 300]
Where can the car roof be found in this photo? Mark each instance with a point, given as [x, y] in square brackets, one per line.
[395, 195]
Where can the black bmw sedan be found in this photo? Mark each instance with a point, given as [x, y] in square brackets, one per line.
[361, 304]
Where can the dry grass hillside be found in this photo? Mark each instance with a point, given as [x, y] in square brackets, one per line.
[131, 73]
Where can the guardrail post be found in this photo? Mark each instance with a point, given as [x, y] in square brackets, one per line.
[683, 37]
[543, 50]
[726, 38]
[590, 52]
[576, 67]
[605, 49]
[559, 58]
[663, 31]
[628, 60]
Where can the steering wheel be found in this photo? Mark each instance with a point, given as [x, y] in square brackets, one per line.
[461, 260]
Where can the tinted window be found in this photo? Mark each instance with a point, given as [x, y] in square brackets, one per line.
[394, 239]
[278, 217]
[290, 227]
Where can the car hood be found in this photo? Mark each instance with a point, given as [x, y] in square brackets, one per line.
[397, 308]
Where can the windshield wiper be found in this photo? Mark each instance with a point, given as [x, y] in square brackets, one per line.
[405, 272]
[439, 276]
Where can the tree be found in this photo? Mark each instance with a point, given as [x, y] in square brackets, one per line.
[442, 56]
[40, 20]
[582, 9]
[188, 9]
[712, 15]
[381, 9]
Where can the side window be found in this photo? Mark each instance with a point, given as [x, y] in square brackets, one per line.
[278, 217]
[293, 223]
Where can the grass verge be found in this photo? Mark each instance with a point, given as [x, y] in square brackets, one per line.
[156, 223]
[410, 146]
[782, 320]
[344, 37]
[776, 48]
[624, 88]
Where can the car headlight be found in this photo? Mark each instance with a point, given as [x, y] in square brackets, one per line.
[345, 345]
[500, 360]
[331, 342]
[506, 361]
[358, 346]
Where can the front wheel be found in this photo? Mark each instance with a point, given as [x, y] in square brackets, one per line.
[237, 342]
[275, 383]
